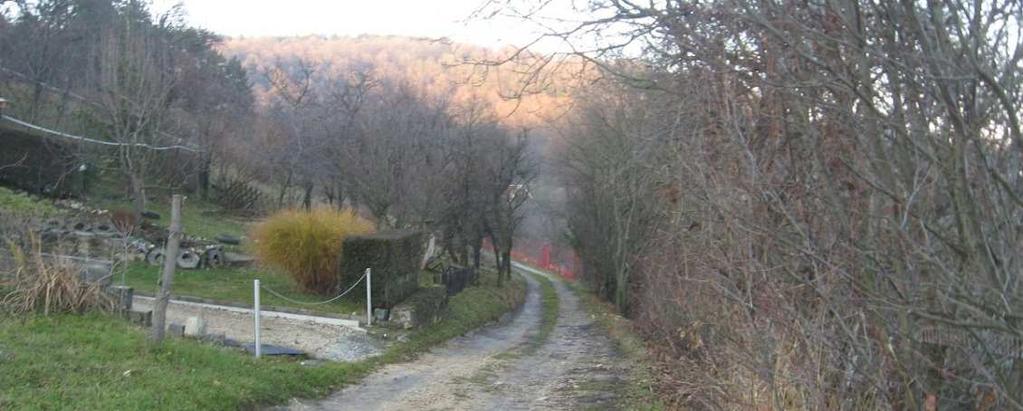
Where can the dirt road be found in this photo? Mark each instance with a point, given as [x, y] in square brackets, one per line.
[576, 368]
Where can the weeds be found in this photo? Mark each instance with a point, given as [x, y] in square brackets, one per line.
[39, 283]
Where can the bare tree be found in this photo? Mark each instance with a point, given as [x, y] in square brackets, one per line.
[134, 91]
[837, 177]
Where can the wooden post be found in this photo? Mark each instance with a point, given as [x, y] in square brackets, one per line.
[170, 259]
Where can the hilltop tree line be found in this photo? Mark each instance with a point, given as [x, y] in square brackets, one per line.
[810, 205]
[410, 151]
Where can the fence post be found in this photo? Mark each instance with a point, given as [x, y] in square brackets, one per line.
[255, 311]
[369, 301]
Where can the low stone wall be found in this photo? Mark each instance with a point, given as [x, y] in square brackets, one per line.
[426, 306]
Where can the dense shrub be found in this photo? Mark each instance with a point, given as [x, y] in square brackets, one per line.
[307, 244]
[394, 257]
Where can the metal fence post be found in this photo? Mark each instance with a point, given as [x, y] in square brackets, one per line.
[369, 301]
[255, 310]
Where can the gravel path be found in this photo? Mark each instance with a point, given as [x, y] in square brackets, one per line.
[319, 340]
[494, 369]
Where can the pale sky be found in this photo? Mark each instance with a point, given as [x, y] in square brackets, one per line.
[420, 18]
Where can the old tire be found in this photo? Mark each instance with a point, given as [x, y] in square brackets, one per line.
[229, 239]
[105, 230]
[81, 227]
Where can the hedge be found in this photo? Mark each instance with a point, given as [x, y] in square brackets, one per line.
[394, 257]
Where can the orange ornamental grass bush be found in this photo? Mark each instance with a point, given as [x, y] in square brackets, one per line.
[307, 244]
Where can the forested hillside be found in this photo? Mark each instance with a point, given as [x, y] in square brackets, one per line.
[519, 89]
[461, 72]
[414, 133]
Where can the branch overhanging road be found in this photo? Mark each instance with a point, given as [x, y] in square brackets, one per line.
[576, 367]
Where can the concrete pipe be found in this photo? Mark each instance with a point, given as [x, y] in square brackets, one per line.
[155, 256]
[215, 258]
[188, 259]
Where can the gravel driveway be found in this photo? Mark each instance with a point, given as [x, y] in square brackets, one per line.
[576, 368]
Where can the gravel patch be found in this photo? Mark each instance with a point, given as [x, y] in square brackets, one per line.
[318, 340]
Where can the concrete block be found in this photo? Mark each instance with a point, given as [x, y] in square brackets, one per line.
[176, 330]
[122, 296]
[141, 318]
[404, 316]
[195, 327]
[380, 314]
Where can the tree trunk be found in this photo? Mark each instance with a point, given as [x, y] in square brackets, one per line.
[307, 197]
[506, 259]
[169, 263]
[204, 176]
[284, 190]
[498, 263]
[138, 193]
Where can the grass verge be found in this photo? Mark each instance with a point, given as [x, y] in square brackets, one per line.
[468, 310]
[97, 362]
[638, 392]
[549, 305]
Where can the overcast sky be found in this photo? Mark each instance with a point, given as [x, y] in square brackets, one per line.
[421, 18]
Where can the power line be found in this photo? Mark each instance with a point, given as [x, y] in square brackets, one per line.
[94, 141]
[68, 93]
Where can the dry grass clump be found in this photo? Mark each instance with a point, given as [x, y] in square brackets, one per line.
[49, 286]
[307, 244]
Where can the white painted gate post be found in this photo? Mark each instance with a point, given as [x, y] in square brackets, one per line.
[255, 311]
[369, 301]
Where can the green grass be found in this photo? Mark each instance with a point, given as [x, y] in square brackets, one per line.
[467, 310]
[22, 204]
[234, 285]
[550, 305]
[96, 362]
[198, 217]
